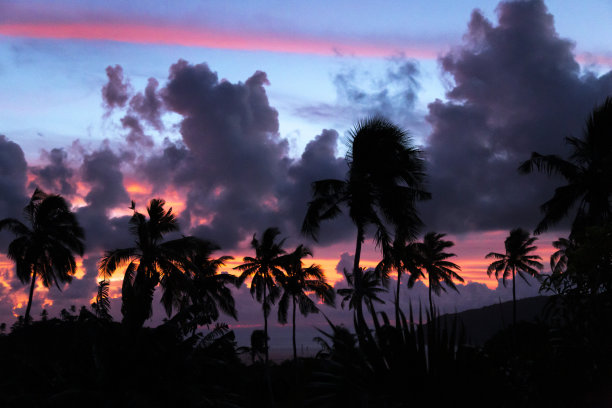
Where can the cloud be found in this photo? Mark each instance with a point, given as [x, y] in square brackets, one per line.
[148, 105]
[56, 176]
[115, 92]
[361, 93]
[136, 135]
[516, 88]
[102, 172]
[13, 176]
[319, 161]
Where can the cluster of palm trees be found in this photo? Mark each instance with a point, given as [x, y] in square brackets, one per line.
[384, 182]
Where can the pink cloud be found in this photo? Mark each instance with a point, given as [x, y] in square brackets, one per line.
[210, 38]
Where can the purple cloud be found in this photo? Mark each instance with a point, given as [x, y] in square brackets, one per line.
[517, 89]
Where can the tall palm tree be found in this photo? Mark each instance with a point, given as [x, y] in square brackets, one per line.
[152, 261]
[434, 261]
[296, 284]
[45, 248]
[208, 294]
[587, 173]
[265, 270]
[384, 181]
[559, 259]
[402, 257]
[516, 259]
[364, 287]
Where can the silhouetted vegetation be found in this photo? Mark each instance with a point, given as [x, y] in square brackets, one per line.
[85, 358]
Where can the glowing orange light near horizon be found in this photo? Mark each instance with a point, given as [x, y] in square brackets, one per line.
[137, 188]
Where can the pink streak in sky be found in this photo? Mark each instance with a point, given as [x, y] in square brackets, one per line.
[193, 37]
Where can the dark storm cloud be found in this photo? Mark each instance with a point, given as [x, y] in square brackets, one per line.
[136, 135]
[169, 165]
[13, 176]
[115, 92]
[101, 171]
[56, 176]
[79, 291]
[517, 89]
[318, 161]
[237, 157]
[148, 106]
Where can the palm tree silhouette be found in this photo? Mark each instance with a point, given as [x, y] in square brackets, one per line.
[296, 283]
[588, 172]
[102, 304]
[152, 261]
[434, 261]
[47, 246]
[384, 181]
[265, 270]
[516, 259]
[364, 287]
[209, 294]
[402, 257]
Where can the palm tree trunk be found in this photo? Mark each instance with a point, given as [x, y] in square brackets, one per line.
[360, 320]
[265, 311]
[397, 297]
[513, 299]
[431, 309]
[373, 313]
[294, 346]
[266, 368]
[356, 270]
[27, 312]
[358, 248]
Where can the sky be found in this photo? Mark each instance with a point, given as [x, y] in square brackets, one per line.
[229, 110]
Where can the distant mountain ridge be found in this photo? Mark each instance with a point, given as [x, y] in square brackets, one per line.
[481, 324]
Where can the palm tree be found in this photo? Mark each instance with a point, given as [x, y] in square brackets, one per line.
[587, 172]
[210, 293]
[384, 181]
[516, 259]
[364, 287]
[296, 283]
[559, 259]
[434, 261]
[47, 246]
[402, 257]
[152, 261]
[102, 304]
[265, 270]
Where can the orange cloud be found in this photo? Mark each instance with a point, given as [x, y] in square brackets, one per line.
[209, 38]
[137, 188]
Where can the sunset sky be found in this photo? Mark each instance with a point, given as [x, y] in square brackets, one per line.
[229, 110]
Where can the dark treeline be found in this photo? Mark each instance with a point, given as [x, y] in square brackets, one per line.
[412, 358]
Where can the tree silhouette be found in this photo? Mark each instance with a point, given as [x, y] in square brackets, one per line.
[46, 247]
[587, 173]
[364, 287]
[210, 292]
[296, 283]
[265, 269]
[384, 181]
[102, 305]
[434, 261]
[402, 257]
[152, 261]
[516, 259]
